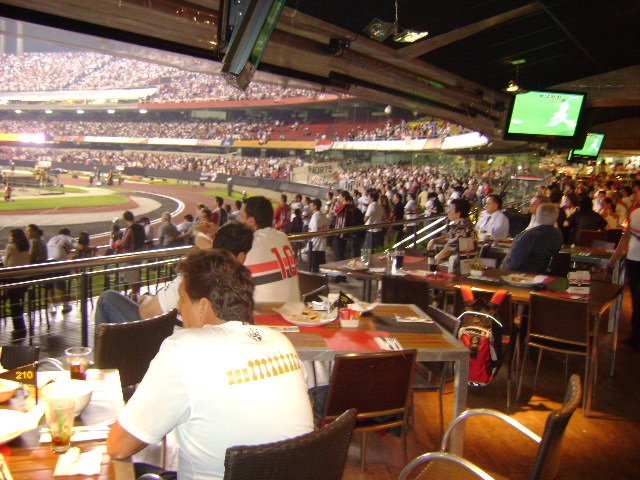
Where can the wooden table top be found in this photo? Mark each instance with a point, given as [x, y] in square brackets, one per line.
[324, 342]
[29, 460]
[602, 293]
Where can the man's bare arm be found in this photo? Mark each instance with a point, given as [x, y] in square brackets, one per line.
[149, 307]
[121, 444]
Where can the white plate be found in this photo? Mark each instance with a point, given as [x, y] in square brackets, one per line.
[523, 280]
[13, 424]
[304, 320]
[356, 266]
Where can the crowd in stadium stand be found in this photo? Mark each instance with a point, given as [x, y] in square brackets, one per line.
[207, 164]
[55, 71]
[239, 129]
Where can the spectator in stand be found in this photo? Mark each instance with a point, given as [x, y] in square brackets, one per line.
[493, 221]
[584, 219]
[374, 238]
[185, 230]
[37, 247]
[83, 247]
[235, 214]
[167, 233]
[535, 203]
[58, 249]
[532, 249]
[459, 227]
[132, 241]
[297, 203]
[277, 283]
[204, 227]
[397, 214]
[599, 200]
[609, 214]
[344, 218]
[16, 254]
[282, 215]
[318, 223]
[411, 212]
[219, 215]
[148, 232]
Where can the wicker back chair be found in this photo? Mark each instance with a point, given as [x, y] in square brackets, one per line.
[131, 346]
[14, 356]
[319, 455]
[445, 465]
[376, 385]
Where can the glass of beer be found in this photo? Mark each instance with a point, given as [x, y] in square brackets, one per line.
[78, 361]
[60, 413]
[398, 258]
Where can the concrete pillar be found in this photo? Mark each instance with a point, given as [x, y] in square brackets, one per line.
[19, 38]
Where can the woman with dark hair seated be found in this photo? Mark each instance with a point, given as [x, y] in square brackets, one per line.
[459, 227]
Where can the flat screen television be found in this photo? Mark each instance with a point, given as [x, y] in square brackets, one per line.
[249, 40]
[545, 116]
[592, 145]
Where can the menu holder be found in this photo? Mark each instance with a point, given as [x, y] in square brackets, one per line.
[579, 282]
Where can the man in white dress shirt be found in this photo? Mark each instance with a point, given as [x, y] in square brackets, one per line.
[493, 221]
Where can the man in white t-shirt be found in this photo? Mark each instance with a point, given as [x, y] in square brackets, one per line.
[630, 242]
[58, 249]
[317, 223]
[493, 221]
[219, 382]
[372, 216]
[271, 260]
[114, 307]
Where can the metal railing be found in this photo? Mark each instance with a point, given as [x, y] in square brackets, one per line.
[29, 276]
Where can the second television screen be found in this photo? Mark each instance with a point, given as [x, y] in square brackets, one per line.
[546, 113]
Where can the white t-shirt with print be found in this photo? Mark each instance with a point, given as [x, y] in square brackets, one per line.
[318, 223]
[220, 386]
[374, 215]
[273, 267]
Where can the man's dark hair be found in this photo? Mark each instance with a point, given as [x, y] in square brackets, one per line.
[84, 239]
[635, 184]
[235, 237]
[128, 216]
[219, 201]
[317, 203]
[461, 206]
[373, 195]
[144, 220]
[496, 198]
[261, 210]
[238, 204]
[216, 275]
[19, 239]
[64, 231]
[585, 203]
[33, 227]
[188, 217]
[283, 197]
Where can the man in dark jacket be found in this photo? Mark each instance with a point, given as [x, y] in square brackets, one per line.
[584, 219]
[532, 249]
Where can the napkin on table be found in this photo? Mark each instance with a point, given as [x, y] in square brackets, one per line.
[73, 462]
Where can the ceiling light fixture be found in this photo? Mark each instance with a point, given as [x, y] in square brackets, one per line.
[512, 86]
[380, 30]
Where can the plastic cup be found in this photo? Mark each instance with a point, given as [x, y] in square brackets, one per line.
[398, 259]
[345, 314]
[60, 413]
[365, 256]
[78, 361]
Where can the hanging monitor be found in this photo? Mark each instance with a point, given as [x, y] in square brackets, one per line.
[249, 40]
[545, 116]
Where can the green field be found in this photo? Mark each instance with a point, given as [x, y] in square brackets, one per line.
[75, 190]
[50, 203]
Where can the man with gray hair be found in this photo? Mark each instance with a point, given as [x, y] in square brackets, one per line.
[168, 232]
[532, 249]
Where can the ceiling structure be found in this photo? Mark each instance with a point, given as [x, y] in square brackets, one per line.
[458, 72]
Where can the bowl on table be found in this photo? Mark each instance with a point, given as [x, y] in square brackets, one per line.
[77, 390]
